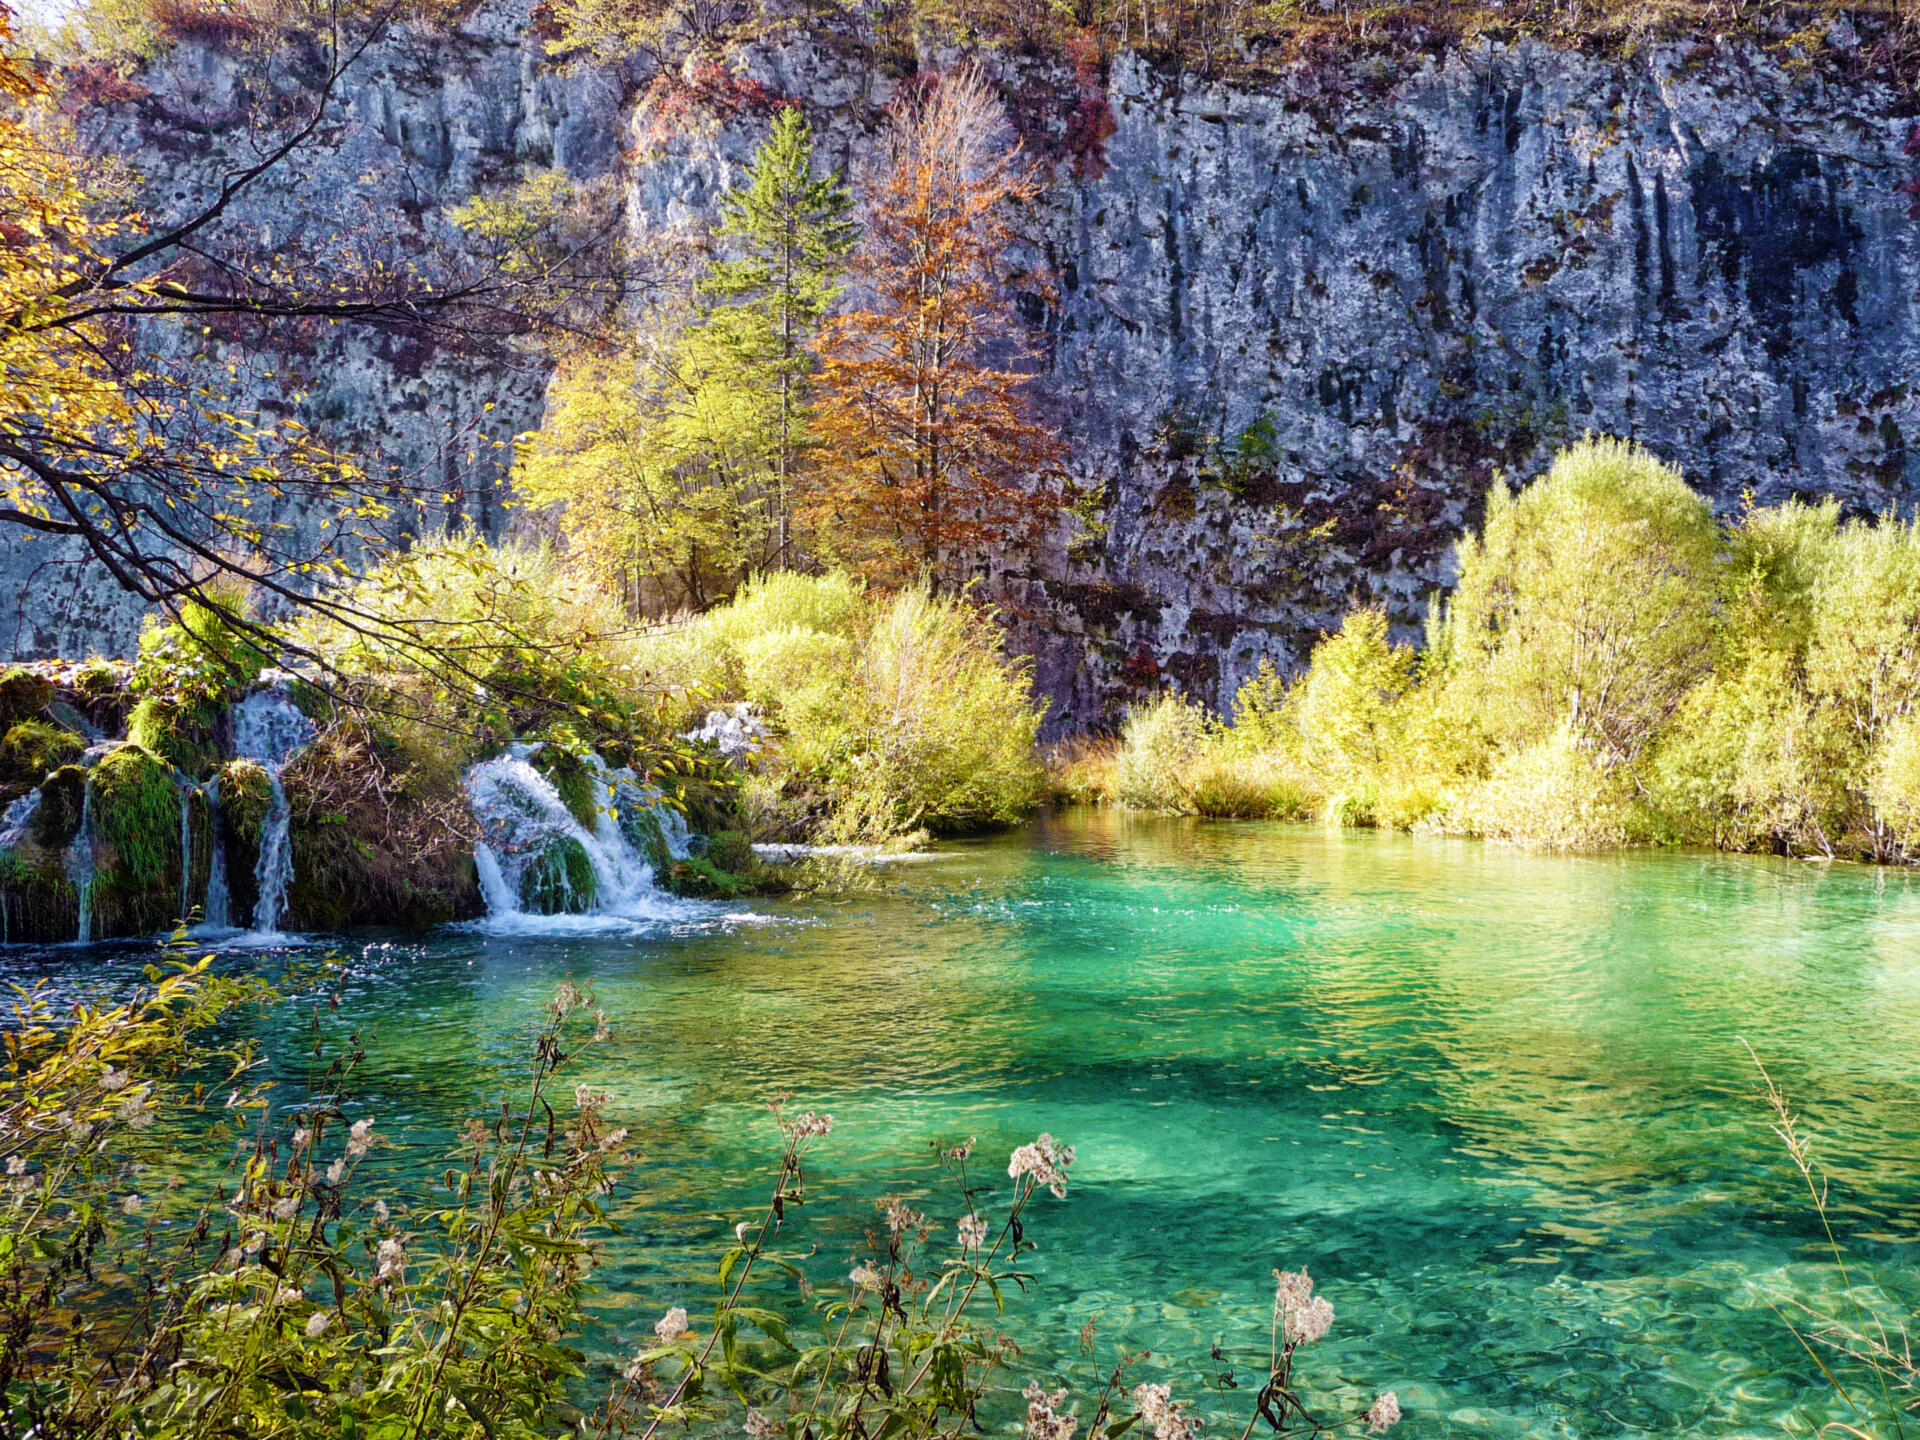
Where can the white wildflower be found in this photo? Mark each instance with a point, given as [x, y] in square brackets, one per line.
[80, 1131]
[762, 1426]
[1383, 1414]
[136, 1110]
[742, 1231]
[1046, 1160]
[301, 1137]
[809, 1126]
[16, 1165]
[589, 1097]
[380, 1211]
[112, 1079]
[130, 1205]
[336, 1172]
[636, 1370]
[960, 1152]
[566, 998]
[392, 1261]
[672, 1325]
[289, 1296]
[360, 1138]
[1161, 1415]
[901, 1218]
[286, 1207]
[601, 1030]
[866, 1277]
[1043, 1420]
[255, 1242]
[1304, 1317]
[973, 1232]
[317, 1323]
[613, 1140]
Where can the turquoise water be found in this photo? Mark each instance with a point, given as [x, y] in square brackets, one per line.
[1497, 1103]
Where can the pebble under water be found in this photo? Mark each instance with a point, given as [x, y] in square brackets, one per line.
[1497, 1103]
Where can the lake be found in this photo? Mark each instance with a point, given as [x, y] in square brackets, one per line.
[1497, 1103]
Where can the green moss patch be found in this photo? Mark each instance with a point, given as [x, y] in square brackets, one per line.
[33, 748]
[136, 816]
[573, 776]
[57, 820]
[560, 880]
[179, 730]
[23, 695]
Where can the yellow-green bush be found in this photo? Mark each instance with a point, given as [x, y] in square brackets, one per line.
[1158, 747]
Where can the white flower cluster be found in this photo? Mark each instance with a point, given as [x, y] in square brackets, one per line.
[900, 1218]
[1383, 1414]
[808, 1126]
[590, 1097]
[1304, 1316]
[1044, 1422]
[973, 1233]
[672, 1325]
[762, 1426]
[1161, 1415]
[866, 1277]
[392, 1261]
[359, 1139]
[1046, 1160]
[960, 1152]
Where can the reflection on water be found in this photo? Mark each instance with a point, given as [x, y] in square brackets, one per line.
[1496, 1102]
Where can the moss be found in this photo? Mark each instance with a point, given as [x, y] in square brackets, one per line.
[179, 730]
[37, 901]
[560, 880]
[573, 776]
[32, 748]
[136, 814]
[62, 797]
[100, 690]
[733, 852]
[640, 824]
[700, 878]
[23, 695]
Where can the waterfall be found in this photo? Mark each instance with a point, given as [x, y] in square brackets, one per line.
[79, 864]
[186, 790]
[531, 849]
[217, 902]
[19, 815]
[269, 729]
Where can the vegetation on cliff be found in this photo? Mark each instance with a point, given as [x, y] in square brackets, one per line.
[1614, 665]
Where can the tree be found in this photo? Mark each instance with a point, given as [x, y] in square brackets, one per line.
[116, 433]
[935, 448]
[670, 468]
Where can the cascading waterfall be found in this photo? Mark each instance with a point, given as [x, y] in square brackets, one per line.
[269, 729]
[79, 864]
[186, 790]
[218, 904]
[19, 815]
[540, 869]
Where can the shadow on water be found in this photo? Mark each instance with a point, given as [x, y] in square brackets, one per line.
[1497, 1102]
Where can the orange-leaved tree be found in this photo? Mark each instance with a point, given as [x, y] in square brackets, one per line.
[930, 450]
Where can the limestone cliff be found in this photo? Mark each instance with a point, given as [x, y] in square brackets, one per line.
[1299, 326]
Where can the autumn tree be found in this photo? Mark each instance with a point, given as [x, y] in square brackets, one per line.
[670, 468]
[123, 444]
[935, 450]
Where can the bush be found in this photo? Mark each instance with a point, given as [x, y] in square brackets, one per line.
[1158, 744]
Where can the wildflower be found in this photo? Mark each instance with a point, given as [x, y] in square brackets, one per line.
[80, 1131]
[1304, 1317]
[601, 1030]
[256, 1242]
[301, 1137]
[588, 1097]
[112, 1079]
[289, 1296]
[1046, 1160]
[866, 1277]
[136, 1111]
[16, 1165]
[1383, 1414]
[960, 1152]
[1159, 1412]
[742, 1231]
[973, 1232]
[286, 1207]
[566, 998]
[360, 1138]
[1043, 1421]
[380, 1211]
[809, 1126]
[613, 1140]
[336, 1172]
[391, 1260]
[474, 1137]
[636, 1370]
[317, 1324]
[130, 1205]
[901, 1219]
[672, 1325]
[761, 1426]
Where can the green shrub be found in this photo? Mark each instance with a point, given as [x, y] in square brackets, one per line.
[201, 655]
[1555, 794]
[1894, 785]
[33, 748]
[732, 852]
[1158, 744]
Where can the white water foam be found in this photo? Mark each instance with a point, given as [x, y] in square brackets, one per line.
[269, 729]
[521, 816]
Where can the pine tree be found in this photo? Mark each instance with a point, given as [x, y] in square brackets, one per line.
[795, 233]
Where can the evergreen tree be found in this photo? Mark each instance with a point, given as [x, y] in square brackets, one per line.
[795, 233]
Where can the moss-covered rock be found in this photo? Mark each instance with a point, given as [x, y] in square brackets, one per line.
[573, 775]
[246, 794]
[137, 857]
[179, 730]
[37, 901]
[640, 824]
[100, 690]
[62, 798]
[559, 880]
[23, 695]
[733, 852]
[700, 879]
[32, 749]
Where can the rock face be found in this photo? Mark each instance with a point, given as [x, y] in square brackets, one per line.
[1297, 330]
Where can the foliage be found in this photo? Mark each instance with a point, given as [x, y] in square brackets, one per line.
[670, 469]
[892, 713]
[23, 695]
[1614, 666]
[32, 748]
[937, 452]
[137, 812]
